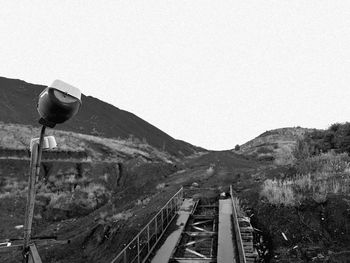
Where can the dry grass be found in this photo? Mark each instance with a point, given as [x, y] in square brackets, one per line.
[9, 187]
[278, 192]
[283, 154]
[329, 162]
[326, 174]
[239, 207]
[89, 197]
[294, 191]
[16, 136]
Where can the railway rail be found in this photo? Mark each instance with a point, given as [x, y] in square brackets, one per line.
[246, 252]
[203, 234]
[198, 242]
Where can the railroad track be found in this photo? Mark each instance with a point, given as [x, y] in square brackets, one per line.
[201, 241]
[204, 232]
[246, 253]
[198, 241]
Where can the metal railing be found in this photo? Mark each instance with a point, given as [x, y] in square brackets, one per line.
[139, 249]
[239, 241]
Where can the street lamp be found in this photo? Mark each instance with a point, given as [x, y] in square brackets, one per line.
[57, 104]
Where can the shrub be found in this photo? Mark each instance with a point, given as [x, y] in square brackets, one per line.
[210, 171]
[320, 192]
[283, 155]
[264, 149]
[336, 137]
[278, 192]
[239, 207]
[266, 157]
[294, 191]
[87, 198]
[160, 186]
[327, 162]
[301, 150]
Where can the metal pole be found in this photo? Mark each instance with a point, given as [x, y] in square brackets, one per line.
[35, 160]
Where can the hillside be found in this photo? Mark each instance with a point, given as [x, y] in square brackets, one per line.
[112, 172]
[18, 105]
[276, 145]
[15, 140]
[102, 191]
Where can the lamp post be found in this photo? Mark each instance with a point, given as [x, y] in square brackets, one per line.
[56, 104]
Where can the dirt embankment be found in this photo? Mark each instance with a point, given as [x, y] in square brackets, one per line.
[68, 190]
[47, 155]
[62, 186]
[312, 232]
[101, 206]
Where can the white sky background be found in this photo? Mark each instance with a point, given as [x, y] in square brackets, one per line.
[212, 73]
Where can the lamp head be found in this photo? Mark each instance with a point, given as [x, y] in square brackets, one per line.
[58, 103]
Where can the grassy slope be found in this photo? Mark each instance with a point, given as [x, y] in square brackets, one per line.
[278, 144]
[16, 136]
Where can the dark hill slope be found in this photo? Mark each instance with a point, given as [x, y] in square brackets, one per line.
[18, 105]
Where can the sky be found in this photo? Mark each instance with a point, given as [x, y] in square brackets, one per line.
[212, 73]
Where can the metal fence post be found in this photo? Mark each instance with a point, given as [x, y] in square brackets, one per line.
[180, 199]
[171, 207]
[138, 248]
[156, 229]
[161, 211]
[177, 203]
[174, 205]
[167, 214]
[148, 245]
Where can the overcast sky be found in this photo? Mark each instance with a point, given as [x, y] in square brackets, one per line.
[212, 73]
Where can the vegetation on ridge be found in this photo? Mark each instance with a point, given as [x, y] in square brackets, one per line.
[323, 168]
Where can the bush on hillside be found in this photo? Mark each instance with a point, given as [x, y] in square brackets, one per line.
[278, 192]
[320, 175]
[264, 149]
[336, 137]
[301, 150]
[329, 162]
[293, 192]
[66, 203]
[266, 157]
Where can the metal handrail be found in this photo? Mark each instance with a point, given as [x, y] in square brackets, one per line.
[148, 245]
[241, 252]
